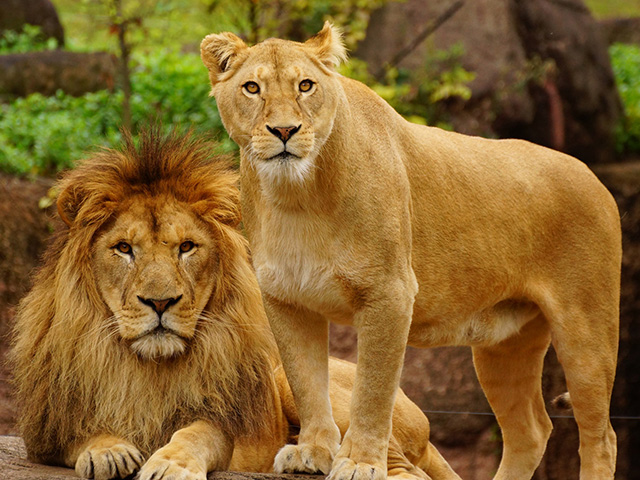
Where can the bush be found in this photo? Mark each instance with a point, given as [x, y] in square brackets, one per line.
[30, 39]
[625, 60]
[43, 135]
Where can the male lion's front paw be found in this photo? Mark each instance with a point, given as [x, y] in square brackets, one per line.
[305, 458]
[346, 469]
[166, 467]
[115, 461]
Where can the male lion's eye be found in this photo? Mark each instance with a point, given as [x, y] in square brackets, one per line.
[124, 247]
[251, 87]
[186, 246]
[305, 85]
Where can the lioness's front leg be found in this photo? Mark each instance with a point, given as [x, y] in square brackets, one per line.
[192, 452]
[104, 457]
[383, 328]
[303, 339]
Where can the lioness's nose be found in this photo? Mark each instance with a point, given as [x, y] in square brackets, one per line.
[283, 133]
[160, 305]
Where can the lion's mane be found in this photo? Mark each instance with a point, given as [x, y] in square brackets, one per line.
[74, 379]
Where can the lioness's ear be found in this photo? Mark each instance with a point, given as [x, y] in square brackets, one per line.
[218, 51]
[328, 46]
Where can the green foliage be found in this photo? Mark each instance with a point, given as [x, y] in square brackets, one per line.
[293, 19]
[614, 8]
[42, 135]
[625, 60]
[418, 95]
[30, 39]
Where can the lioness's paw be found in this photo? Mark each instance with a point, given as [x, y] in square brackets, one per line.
[303, 458]
[163, 467]
[103, 463]
[346, 469]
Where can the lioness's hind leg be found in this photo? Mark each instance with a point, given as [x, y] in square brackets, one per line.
[589, 363]
[510, 375]
[105, 457]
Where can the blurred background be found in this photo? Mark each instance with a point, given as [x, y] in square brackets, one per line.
[561, 73]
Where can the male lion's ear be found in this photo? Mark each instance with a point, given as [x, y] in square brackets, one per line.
[68, 204]
[328, 46]
[218, 51]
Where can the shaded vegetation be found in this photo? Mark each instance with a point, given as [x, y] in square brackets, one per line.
[625, 60]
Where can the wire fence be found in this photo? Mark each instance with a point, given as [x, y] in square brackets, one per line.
[490, 414]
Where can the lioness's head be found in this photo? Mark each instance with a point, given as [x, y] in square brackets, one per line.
[156, 238]
[277, 99]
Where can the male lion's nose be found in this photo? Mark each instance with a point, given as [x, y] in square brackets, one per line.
[283, 133]
[160, 305]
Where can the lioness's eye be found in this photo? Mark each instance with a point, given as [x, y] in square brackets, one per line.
[124, 247]
[186, 246]
[251, 87]
[305, 85]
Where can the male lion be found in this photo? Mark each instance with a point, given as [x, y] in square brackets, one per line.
[349, 209]
[145, 331]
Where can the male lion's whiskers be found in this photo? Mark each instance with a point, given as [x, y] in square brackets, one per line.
[217, 321]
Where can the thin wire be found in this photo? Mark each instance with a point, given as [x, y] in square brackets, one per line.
[489, 414]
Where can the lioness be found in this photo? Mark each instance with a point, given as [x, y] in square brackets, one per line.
[145, 331]
[416, 234]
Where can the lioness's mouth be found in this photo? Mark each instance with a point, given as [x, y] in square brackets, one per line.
[284, 157]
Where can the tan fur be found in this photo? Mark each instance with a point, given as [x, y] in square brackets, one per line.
[98, 392]
[414, 234]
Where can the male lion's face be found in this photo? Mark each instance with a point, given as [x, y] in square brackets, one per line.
[155, 267]
[278, 102]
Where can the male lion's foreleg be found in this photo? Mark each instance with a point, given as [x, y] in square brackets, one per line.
[510, 374]
[192, 452]
[302, 339]
[104, 457]
[383, 327]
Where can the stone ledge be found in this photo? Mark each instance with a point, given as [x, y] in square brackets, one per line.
[15, 466]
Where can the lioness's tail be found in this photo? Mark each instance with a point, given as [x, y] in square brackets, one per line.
[434, 465]
[562, 402]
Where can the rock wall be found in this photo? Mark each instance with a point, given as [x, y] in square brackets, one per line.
[621, 30]
[24, 228]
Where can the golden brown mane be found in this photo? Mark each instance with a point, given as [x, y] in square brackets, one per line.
[74, 378]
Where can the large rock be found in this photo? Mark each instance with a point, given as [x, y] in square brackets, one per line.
[15, 13]
[543, 71]
[15, 466]
[75, 73]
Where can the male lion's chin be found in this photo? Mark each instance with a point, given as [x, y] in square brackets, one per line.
[154, 346]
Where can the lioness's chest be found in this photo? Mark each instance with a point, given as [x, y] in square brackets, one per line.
[297, 261]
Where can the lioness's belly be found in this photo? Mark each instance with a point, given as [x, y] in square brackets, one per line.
[485, 327]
